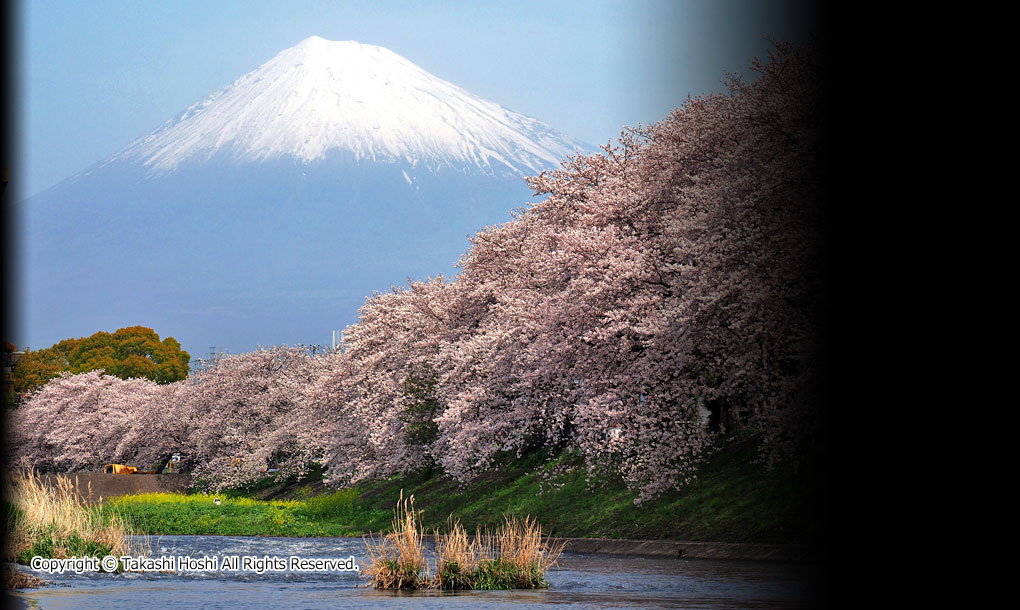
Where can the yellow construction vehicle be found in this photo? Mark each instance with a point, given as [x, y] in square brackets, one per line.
[122, 469]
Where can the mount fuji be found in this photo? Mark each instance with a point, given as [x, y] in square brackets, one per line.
[267, 212]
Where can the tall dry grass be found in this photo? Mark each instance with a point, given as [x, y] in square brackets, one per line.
[521, 545]
[514, 557]
[397, 561]
[457, 558]
[55, 522]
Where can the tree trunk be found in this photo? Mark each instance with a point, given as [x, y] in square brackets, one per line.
[163, 462]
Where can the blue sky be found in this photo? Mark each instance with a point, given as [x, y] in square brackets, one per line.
[96, 75]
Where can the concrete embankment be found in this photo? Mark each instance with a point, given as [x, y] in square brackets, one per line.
[793, 553]
[93, 486]
[799, 553]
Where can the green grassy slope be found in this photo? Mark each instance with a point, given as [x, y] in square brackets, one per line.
[732, 500]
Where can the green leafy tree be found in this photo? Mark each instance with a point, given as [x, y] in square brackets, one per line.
[37, 367]
[421, 404]
[135, 351]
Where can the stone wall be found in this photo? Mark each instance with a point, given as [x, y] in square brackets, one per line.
[93, 486]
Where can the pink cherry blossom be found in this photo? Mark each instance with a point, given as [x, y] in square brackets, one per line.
[675, 275]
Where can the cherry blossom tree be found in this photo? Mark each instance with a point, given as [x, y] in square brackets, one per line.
[673, 275]
[231, 421]
[360, 402]
[662, 293]
[242, 408]
[161, 426]
[81, 422]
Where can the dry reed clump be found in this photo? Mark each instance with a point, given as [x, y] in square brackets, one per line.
[457, 558]
[55, 522]
[398, 560]
[15, 579]
[515, 557]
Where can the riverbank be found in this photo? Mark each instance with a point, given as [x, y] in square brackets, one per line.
[792, 553]
[577, 581]
[54, 522]
[732, 501]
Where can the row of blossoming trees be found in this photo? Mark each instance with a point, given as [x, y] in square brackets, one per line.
[661, 291]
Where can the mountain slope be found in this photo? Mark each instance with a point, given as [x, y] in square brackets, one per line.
[267, 212]
[360, 101]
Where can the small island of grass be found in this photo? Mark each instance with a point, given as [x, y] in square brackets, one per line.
[514, 557]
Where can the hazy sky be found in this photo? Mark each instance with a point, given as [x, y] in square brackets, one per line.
[96, 75]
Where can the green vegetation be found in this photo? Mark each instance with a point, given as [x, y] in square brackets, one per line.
[420, 404]
[162, 513]
[499, 574]
[53, 522]
[343, 505]
[51, 546]
[732, 500]
[135, 351]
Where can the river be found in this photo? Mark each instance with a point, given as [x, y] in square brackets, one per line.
[579, 581]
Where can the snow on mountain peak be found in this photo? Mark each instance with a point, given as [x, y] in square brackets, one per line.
[360, 101]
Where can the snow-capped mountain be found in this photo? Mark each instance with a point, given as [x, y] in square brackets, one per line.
[356, 101]
[267, 212]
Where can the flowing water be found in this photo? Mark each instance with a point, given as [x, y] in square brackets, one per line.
[579, 581]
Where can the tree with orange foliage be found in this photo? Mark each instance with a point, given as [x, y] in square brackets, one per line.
[134, 351]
